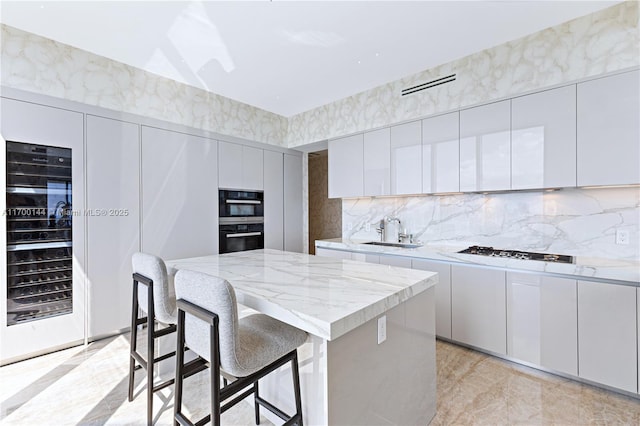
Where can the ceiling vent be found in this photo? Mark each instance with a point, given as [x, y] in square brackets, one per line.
[428, 85]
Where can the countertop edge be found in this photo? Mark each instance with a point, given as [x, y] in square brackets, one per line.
[617, 272]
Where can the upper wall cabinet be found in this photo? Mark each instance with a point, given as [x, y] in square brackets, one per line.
[609, 130]
[485, 147]
[406, 158]
[377, 162]
[441, 153]
[346, 169]
[543, 139]
[240, 167]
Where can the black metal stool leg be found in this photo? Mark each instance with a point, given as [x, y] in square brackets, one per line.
[133, 337]
[255, 402]
[296, 386]
[150, 364]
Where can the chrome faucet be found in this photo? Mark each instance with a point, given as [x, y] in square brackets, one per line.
[389, 229]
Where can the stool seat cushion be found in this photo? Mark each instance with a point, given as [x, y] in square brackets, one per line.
[247, 344]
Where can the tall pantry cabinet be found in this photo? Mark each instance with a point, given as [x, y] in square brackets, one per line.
[113, 215]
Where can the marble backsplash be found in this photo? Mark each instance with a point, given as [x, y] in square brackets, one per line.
[579, 222]
[595, 44]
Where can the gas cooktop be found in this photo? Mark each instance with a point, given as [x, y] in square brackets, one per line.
[514, 254]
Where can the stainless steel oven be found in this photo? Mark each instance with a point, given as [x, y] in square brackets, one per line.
[240, 234]
[241, 220]
[236, 203]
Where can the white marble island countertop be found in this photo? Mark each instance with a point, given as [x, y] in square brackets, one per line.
[622, 271]
[326, 297]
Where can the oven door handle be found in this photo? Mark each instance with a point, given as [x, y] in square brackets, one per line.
[243, 202]
[244, 234]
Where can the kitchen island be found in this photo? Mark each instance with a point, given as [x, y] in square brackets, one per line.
[347, 376]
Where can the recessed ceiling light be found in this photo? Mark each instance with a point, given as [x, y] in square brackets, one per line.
[358, 62]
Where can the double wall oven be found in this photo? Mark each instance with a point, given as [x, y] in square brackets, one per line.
[241, 220]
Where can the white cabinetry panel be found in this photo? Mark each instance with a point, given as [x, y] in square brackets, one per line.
[230, 165]
[252, 168]
[346, 167]
[377, 162]
[273, 200]
[607, 334]
[485, 147]
[179, 194]
[406, 158]
[543, 139]
[399, 261]
[441, 153]
[542, 325]
[609, 130]
[113, 183]
[443, 293]
[293, 203]
[333, 253]
[478, 307]
[365, 257]
[240, 167]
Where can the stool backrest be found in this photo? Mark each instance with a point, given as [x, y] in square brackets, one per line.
[217, 296]
[164, 303]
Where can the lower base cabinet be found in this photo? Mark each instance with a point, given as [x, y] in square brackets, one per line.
[607, 347]
[542, 321]
[443, 293]
[333, 253]
[478, 307]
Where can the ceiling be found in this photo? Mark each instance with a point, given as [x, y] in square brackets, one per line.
[283, 56]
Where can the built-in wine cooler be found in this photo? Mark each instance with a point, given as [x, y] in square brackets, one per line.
[39, 222]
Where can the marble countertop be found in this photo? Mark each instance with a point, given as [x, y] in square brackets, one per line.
[626, 272]
[324, 296]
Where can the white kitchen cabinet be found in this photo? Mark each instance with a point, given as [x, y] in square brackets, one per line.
[365, 257]
[542, 325]
[346, 167]
[609, 130]
[406, 158]
[338, 254]
[441, 153]
[443, 293]
[113, 185]
[179, 194]
[240, 167]
[543, 139]
[399, 261]
[607, 347]
[293, 203]
[273, 200]
[377, 162]
[478, 307]
[485, 147]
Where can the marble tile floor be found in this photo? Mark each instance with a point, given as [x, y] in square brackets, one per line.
[88, 386]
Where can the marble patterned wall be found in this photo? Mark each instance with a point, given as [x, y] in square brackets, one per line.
[580, 222]
[325, 214]
[37, 64]
[598, 43]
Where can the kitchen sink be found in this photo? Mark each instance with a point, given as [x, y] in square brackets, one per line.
[385, 244]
